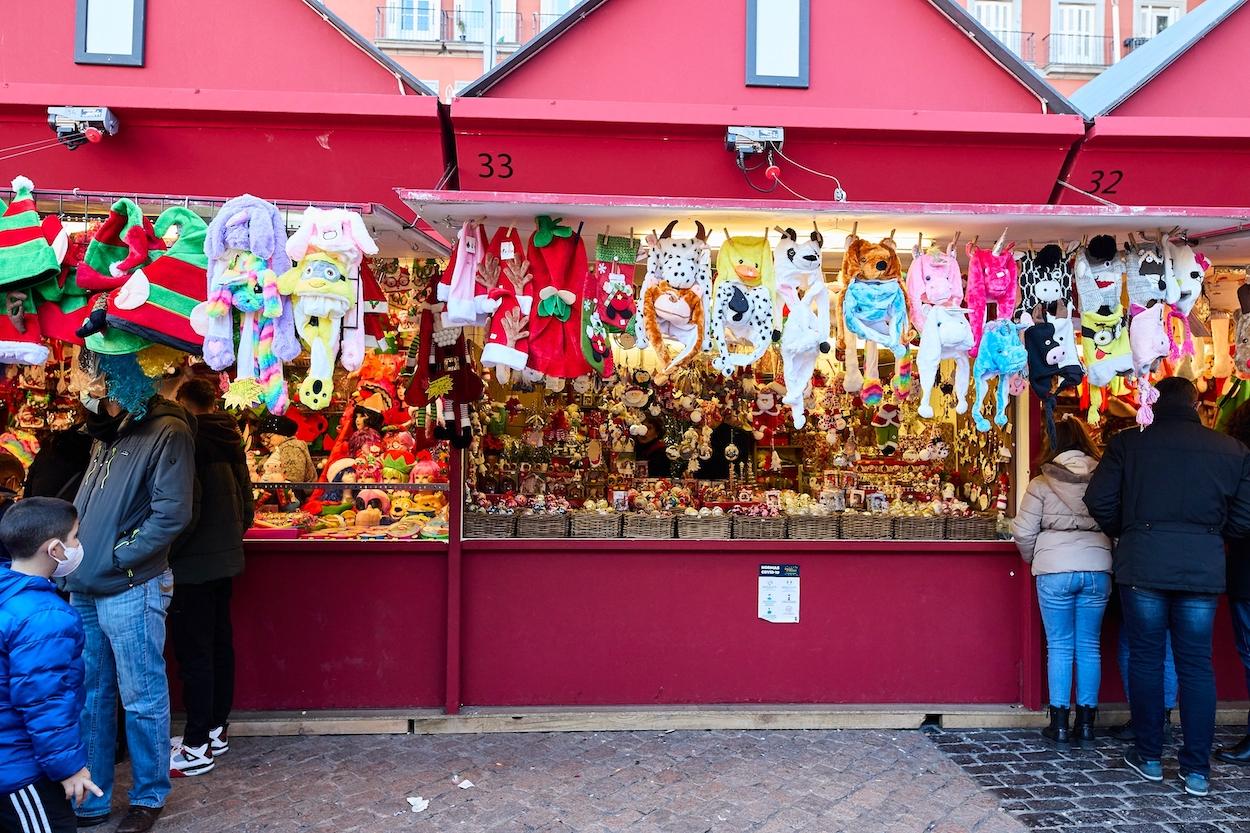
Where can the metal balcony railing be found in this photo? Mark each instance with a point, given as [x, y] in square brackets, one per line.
[544, 19]
[1020, 43]
[1077, 50]
[425, 23]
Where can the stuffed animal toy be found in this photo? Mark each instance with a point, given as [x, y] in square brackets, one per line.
[1099, 274]
[766, 415]
[507, 339]
[946, 335]
[992, 279]
[342, 233]
[1105, 343]
[675, 293]
[246, 249]
[1149, 343]
[805, 333]
[742, 309]
[933, 280]
[1053, 362]
[1187, 269]
[1045, 278]
[557, 257]
[874, 308]
[1001, 355]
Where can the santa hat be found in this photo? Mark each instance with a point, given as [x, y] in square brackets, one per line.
[30, 249]
[156, 301]
[20, 336]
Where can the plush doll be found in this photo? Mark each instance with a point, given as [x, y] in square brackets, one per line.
[1150, 345]
[1045, 278]
[246, 249]
[805, 333]
[933, 280]
[342, 233]
[675, 293]
[742, 309]
[557, 257]
[1001, 355]
[1187, 269]
[874, 308]
[766, 415]
[946, 335]
[507, 339]
[992, 279]
[1054, 365]
[1104, 341]
[1100, 275]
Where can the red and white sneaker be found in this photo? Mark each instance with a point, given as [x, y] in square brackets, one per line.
[219, 739]
[187, 761]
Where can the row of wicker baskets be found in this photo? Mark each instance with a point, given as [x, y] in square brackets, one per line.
[860, 527]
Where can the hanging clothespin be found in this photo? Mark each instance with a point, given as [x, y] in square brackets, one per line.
[975, 238]
[854, 228]
[815, 227]
[892, 233]
[779, 229]
[956, 238]
[726, 232]
[1132, 240]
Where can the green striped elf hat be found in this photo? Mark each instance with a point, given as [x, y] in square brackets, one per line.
[123, 242]
[28, 245]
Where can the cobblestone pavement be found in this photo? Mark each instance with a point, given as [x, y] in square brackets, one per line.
[1091, 790]
[640, 782]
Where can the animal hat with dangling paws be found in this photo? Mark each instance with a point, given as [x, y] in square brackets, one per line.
[742, 309]
[675, 295]
[805, 333]
[874, 308]
[1054, 365]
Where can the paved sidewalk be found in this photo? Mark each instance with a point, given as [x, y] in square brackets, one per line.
[1091, 789]
[641, 782]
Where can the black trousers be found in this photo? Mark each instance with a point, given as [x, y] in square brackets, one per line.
[39, 808]
[199, 621]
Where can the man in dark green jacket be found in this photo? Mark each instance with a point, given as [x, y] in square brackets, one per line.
[134, 501]
[205, 561]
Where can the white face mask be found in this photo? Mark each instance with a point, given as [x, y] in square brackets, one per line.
[73, 557]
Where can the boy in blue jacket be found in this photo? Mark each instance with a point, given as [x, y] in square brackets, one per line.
[43, 761]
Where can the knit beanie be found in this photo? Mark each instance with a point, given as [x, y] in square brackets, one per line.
[28, 246]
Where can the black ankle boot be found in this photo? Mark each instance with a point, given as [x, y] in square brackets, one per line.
[1057, 731]
[1083, 725]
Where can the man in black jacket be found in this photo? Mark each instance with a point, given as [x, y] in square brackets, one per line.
[1169, 494]
[205, 561]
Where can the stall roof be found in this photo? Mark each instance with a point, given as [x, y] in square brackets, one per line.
[1140, 67]
[1224, 233]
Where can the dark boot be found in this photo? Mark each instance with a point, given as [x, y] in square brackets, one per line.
[1083, 725]
[1057, 731]
[1238, 754]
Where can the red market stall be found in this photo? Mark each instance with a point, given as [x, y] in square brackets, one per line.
[301, 110]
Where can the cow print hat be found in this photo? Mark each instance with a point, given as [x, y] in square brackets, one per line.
[1053, 363]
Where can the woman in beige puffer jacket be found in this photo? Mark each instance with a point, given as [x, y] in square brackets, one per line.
[1071, 560]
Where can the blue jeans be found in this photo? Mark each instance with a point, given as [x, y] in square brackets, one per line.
[1240, 610]
[125, 651]
[1169, 668]
[1190, 617]
[1072, 607]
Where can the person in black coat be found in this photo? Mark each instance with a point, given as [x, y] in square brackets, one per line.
[1238, 567]
[205, 561]
[1169, 494]
[58, 468]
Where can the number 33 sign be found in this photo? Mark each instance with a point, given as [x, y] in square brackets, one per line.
[495, 165]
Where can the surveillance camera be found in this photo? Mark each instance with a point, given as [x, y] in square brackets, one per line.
[74, 126]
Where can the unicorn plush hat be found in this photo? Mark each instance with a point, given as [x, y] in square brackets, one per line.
[1001, 355]
[805, 333]
[742, 308]
[1053, 362]
[992, 278]
[933, 280]
[675, 293]
[246, 249]
[946, 335]
[874, 308]
[1045, 278]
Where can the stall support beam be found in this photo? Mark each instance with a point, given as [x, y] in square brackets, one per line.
[451, 700]
[1028, 437]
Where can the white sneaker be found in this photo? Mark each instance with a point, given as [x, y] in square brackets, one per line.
[186, 761]
[219, 738]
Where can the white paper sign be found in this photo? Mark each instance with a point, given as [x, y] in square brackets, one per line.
[779, 593]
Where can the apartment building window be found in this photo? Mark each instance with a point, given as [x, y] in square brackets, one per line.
[1001, 17]
[412, 20]
[1154, 17]
[1076, 37]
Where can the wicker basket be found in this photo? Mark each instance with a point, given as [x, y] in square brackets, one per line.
[912, 528]
[814, 527]
[542, 526]
[867, 527]
[595, 525]
[759, 529]
[647, 526]
[713, 528]
[483, 525]
[971, 528]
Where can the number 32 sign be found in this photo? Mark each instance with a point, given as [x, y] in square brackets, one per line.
[1103, 181]
[495, 166]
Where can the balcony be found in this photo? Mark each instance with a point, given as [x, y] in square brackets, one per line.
[1077, 53]
[544, 19]
[422, 23]
[1020, 43]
